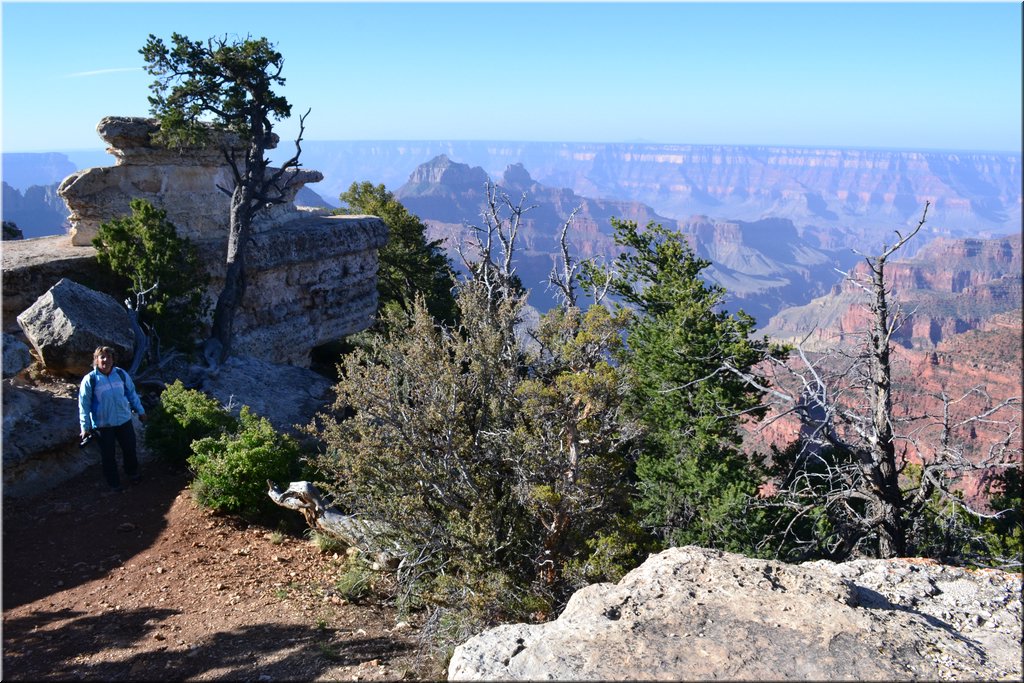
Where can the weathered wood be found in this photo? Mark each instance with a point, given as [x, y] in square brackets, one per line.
[369, 536]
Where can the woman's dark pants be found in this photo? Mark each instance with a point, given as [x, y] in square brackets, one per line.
[125, 436]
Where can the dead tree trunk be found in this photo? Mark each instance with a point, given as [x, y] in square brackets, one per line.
[879, 463]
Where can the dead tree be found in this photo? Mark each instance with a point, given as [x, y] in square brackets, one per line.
[849, 465]
[495, 245]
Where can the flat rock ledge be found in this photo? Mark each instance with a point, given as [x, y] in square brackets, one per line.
[695, 614]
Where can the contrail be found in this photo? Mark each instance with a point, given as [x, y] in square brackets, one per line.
[100, 72]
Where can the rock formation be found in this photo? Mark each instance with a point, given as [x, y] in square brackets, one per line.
[695, 614]
[31, 267]
[286, 395]
[16, 356]
[765, 265]
[187, 184]
[948, 287]
[311, 278]
[37, 212]
[40, 437]
[846, 197]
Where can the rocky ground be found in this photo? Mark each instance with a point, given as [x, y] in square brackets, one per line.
[146, 585]
[694, 614]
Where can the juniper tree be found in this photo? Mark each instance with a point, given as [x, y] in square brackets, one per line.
[502, 471]
[162, 268]
[225, 85]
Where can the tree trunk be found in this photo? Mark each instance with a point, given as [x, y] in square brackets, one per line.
[234, 277]
[884, 475]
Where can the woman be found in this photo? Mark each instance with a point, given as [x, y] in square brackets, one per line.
[106, 400]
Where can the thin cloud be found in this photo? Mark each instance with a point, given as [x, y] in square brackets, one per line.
[102, 72]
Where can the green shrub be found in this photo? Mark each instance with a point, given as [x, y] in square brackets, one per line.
[231, 470]
[181, 417]
[145, 249]
[356, 582]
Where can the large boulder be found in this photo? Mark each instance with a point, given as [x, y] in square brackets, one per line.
[32, 266]
[68, 322]
[695, 614]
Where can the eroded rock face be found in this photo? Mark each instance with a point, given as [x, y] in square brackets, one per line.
[311, 281]
[949, 287]
[40, 436]
[695, 614]
[287, 396]
[187, 184]
[68, 322]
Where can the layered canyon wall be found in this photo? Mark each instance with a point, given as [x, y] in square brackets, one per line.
[839, 196]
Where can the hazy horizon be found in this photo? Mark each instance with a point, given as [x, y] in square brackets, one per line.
[916, 76]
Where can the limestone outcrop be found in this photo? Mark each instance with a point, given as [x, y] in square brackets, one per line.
[187, 184]
[696, 614]
[32, 266]
[287, 396]
[40, 437]
[69, 321]
[309, 282]
[16, 356]
[310, 278]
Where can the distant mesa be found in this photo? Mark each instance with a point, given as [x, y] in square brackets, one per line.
[765, 265]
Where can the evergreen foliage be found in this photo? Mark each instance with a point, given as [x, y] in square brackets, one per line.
[232, 468]
[409, 264]
[144, 248]
[695, 483]
[1005, 531]
[181, 417]
[226, 86]
[503, 474]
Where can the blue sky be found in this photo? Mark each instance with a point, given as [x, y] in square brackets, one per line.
[881, 75]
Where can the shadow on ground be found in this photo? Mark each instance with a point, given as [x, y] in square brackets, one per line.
[77, 531]
[63, 638]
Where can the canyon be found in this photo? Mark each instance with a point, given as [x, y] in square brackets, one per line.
[764, 265]
[838, 196]
[949, 287]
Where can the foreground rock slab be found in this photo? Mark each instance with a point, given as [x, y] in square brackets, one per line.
[696, 614]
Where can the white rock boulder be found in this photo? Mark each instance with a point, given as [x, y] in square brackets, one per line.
[695, 614]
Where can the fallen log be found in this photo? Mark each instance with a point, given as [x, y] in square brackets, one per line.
[368, 536]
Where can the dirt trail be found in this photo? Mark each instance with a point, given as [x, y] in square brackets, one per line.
[145, 585]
